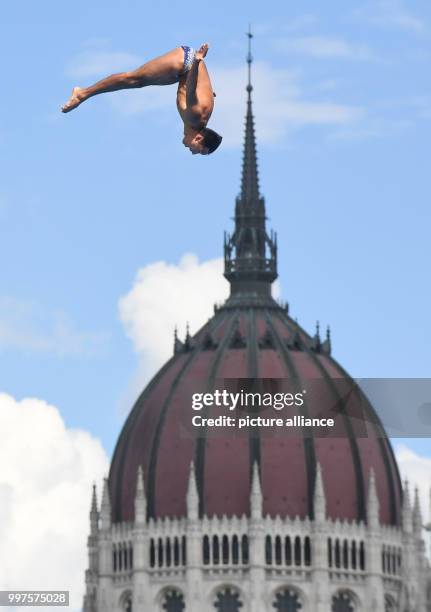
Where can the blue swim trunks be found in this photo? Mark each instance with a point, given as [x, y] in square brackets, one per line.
[189, 58]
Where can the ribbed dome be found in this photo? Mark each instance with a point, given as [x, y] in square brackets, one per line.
[251, 336]
[248, 343]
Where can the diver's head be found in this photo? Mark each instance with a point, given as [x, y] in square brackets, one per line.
[203, 142]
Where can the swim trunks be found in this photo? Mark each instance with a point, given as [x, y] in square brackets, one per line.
[189, 58]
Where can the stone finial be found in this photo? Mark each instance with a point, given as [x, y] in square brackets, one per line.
[373, 505]
[319, 496]
[140, 499]
[105, 509]
[407, 509]
[192, 495]
[417, 514]
[94, 513]
[256, 496]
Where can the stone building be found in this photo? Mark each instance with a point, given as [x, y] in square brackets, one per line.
[191, 522]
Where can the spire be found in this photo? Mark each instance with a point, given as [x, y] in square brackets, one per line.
[250, 254]
[94, 514]
[192, 495]
[407, 509]
[140, 500]
[250, 178]
[417, 514]
[319, 497]
[256, 497]
[373, 507]
[105, 509]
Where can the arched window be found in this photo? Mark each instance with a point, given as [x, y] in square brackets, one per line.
[228, 600]
[362, 556]
[152, 553]
[126, 602]
[206, 550]
[184, 550]
[287, 601]
[389, 604]
[130, 555]
[345, 554]
[278, 550]
[268, 550]
[244, 549]
[173, 601]
[337, 553]
[343, 602]
[298, 552]
[216, 550]
[176, 552]
[225, 550]
[235, 550]
[288, 551]
[354, 561]
[114, 558]
[330, 552]
[160, 552]
[307, 551]
[168, 552]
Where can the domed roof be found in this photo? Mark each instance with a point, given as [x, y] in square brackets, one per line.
[249, 337]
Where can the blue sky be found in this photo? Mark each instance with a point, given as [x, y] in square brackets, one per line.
[343, 109]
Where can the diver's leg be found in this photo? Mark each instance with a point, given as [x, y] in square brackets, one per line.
[163, 70]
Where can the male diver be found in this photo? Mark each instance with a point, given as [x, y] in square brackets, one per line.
[195, 96]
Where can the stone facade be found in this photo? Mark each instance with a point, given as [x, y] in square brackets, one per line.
[256, 563]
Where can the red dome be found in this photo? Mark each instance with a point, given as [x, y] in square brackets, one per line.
[249, 343]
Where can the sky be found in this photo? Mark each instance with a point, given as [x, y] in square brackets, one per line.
[111, 232]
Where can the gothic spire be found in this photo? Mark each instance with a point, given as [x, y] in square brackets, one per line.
[250, 178]
[250, 254]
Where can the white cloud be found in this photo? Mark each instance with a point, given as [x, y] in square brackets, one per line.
[417, 470]
[167, 295]
[25, 326]
[324, 47]
[45, 486]
[391, 14]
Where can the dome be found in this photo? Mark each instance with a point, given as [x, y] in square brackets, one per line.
[251, 336]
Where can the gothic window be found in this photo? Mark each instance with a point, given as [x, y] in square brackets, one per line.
[345, 554]
[168, 552]
[244, 549]
[160, 552]
[206, 550]
[389, 604]
[184, 550]
[362, 556]
[126, 603]
[173, 601]
[152, 553]
[235, 550]
[228, 600]
[343, 602]
[287, 601]
[278, 550]
[216, 550]
[337, 553]
[225, 550]
[114, 558]
[307, 551]
[330, 552]
[268, 550]
[288, 551]
[298, 552]
[176, 552]
[354, 555]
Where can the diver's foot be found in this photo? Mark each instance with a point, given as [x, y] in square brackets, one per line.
[202, 51]
[75, 100]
